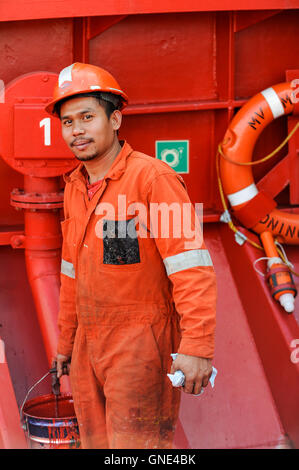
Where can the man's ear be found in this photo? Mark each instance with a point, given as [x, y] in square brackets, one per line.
[116, 119]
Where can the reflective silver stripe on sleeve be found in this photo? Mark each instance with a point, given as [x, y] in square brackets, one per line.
[187, 259]
[68, 269]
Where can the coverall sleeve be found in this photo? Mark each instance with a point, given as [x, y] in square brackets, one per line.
[67, 317]
[188, 265]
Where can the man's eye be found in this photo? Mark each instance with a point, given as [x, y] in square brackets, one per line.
[67, 122]
[87, 117]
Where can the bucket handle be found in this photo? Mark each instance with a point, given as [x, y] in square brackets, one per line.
[23, 424]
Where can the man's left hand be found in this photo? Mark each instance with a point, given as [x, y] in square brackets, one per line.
[197, 371]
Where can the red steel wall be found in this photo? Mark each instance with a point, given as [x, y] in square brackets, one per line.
[185, 73]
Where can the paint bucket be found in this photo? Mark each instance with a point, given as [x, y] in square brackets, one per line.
[49, 424]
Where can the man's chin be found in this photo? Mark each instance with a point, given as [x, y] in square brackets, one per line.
[86, 158]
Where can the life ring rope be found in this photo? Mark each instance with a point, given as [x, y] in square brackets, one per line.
[225, 207]
[264, 159]
[226, 210]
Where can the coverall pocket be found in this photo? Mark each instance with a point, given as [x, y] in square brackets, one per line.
[68, 228]
[121, 245]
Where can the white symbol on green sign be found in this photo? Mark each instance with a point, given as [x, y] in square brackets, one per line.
[175, 153]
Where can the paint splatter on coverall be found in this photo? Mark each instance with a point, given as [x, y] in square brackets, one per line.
[127, 303]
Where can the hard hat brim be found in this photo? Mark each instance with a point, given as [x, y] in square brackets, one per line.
[49, 108]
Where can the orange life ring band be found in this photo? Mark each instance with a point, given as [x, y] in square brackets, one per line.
[253, 208]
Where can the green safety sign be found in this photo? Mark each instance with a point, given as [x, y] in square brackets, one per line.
[175, 153]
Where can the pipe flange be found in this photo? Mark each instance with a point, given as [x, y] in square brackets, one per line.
[21, 200]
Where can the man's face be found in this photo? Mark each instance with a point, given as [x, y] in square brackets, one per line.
[86, 128]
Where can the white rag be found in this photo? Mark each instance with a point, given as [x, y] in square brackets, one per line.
[178, 378]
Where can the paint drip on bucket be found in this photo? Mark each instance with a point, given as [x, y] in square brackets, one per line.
[47, 429]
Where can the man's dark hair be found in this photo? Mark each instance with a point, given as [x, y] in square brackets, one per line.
[108, 101]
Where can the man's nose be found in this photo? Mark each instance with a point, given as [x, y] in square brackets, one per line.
[77, 129]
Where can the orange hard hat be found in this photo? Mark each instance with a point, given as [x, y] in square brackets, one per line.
[81, 78]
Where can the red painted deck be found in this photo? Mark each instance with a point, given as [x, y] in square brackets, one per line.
[240, 412]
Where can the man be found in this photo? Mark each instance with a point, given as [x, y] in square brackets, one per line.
[130, 294]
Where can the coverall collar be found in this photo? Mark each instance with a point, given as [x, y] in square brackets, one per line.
[116, 170]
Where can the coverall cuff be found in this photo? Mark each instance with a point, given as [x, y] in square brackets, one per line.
[199, 347]
[64, 348]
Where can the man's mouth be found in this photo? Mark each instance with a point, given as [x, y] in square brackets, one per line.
[81, 144]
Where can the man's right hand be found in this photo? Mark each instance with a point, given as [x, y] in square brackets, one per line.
[63, 365]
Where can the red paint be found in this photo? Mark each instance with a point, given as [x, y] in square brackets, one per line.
[61, 430]
[44, 407]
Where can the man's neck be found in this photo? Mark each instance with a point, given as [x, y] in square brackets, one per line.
[99, 167]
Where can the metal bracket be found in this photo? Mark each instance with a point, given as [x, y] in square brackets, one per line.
[240, 238]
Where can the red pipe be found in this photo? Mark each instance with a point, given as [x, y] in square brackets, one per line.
[43, 258]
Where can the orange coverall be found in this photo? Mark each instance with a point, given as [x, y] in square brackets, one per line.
[127, 303]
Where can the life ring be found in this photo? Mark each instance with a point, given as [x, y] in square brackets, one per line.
[253, 208]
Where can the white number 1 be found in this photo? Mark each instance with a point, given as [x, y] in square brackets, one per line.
[46, 122]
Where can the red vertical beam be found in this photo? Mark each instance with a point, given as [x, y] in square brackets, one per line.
[231, 65]
[225, 76]
[224, 44]
[80, 40]
[11, 433]
[87, 28]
